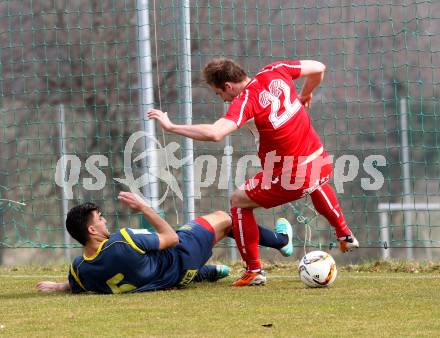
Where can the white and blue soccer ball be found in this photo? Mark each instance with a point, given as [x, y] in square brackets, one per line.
[317, 269]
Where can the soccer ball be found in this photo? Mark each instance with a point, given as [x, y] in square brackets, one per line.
[317, 269]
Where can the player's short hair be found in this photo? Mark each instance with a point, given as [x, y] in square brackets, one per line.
[77, 220]
[219, 71]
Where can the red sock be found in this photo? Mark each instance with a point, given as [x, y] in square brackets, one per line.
[246, 236]
[326, 203]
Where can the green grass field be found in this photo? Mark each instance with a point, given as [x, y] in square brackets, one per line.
[372, 300]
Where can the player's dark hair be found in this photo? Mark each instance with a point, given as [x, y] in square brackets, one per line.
[78, 218]
[219, 71]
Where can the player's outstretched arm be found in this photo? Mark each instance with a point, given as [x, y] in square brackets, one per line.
[313, 72]
[201, 132]
[167, 236]
[47, 286]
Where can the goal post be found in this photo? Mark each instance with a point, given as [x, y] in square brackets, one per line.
[384, 210]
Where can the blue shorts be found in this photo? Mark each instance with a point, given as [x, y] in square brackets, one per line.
[196, 240]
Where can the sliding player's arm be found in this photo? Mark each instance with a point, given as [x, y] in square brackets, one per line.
[73, 283]
[200, 132]
[47, 286]
[166, 234]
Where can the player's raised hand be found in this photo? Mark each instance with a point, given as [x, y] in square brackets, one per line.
[133, 201]
[306, 100]
[161, 117]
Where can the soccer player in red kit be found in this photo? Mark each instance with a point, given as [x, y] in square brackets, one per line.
[292, 156]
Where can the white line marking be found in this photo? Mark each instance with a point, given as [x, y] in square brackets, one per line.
[408, 276]
[345, 275]
[33, 276]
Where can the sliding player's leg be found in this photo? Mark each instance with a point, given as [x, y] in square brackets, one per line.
[280, 239]
[220, 222]
[212, 273]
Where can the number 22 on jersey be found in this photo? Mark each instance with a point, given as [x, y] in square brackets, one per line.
[272, 98]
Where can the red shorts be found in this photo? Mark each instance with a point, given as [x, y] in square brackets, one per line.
[272, 190]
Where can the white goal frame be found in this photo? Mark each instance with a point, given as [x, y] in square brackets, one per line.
[385, 208]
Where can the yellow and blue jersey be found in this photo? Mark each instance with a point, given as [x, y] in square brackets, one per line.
[130, 261]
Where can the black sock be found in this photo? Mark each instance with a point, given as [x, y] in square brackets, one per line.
[207, 273]
[269, 238]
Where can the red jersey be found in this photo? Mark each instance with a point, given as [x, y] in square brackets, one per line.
[270, 107]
